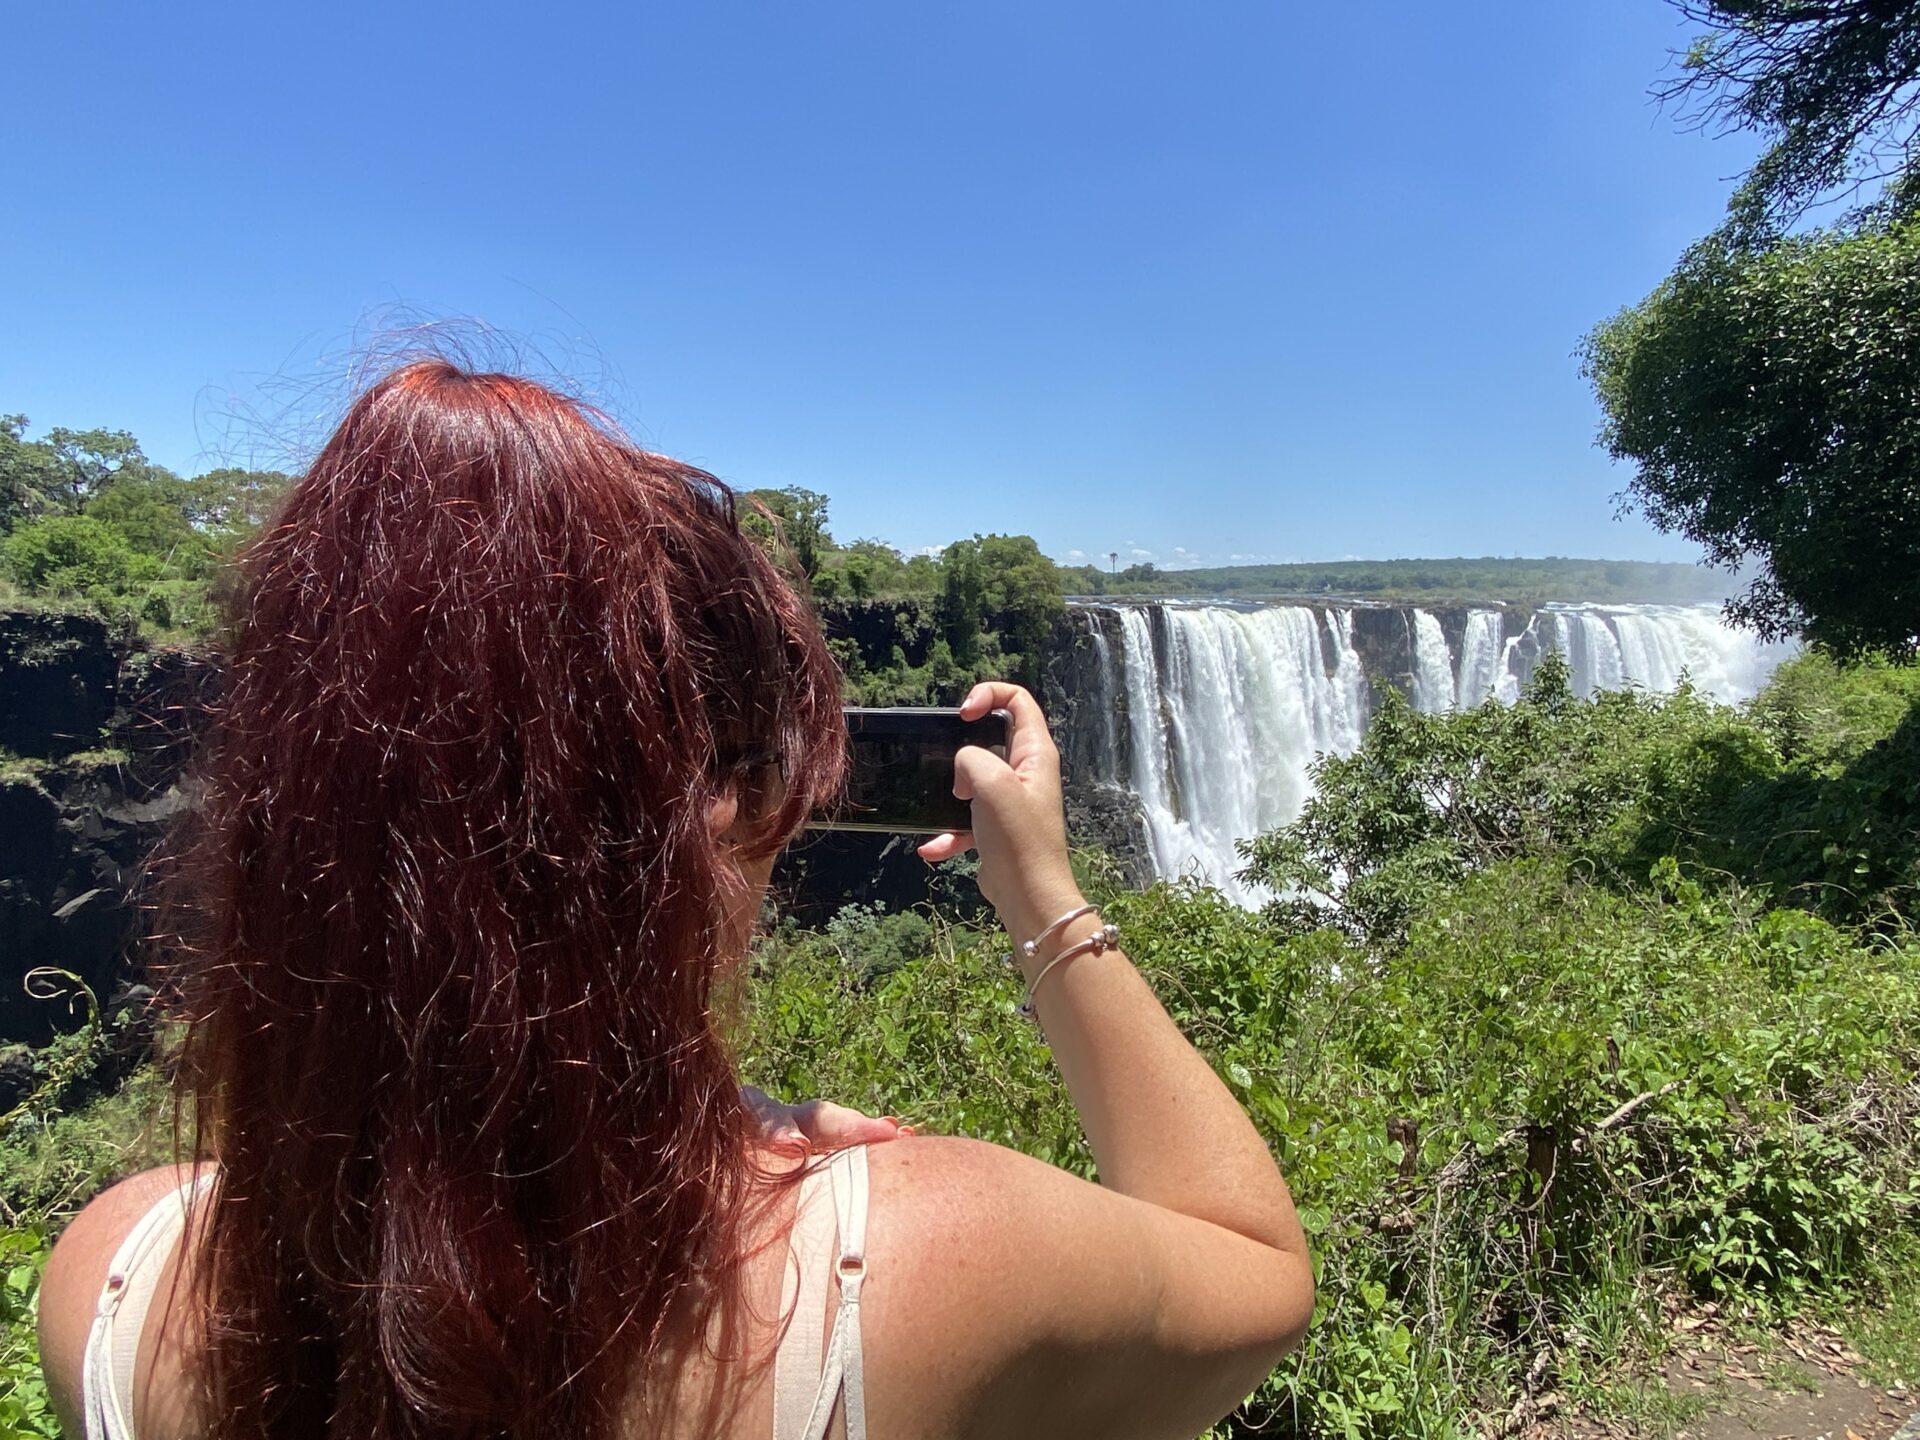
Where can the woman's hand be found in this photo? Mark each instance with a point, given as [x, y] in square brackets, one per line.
[1019, 817]
[819, 1124]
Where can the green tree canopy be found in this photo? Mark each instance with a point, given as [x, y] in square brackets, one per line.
[799, 519]
[1004, 576]
[152, 510]
[1771, 401]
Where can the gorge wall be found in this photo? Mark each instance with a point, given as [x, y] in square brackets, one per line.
[94, 731]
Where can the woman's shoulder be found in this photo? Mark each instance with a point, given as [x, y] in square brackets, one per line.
[978, 1262]
[77, 1272]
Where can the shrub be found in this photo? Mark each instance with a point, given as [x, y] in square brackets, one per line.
[1811, 795]
[1518, 1127]
[25, 1410]
[75, 555]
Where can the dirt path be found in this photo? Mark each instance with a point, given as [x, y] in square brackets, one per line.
[1804, 1385]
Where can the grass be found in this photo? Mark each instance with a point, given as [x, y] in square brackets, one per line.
[1779, 1373]
[1887, 1334]
[1648, 1406]
[52, 1163]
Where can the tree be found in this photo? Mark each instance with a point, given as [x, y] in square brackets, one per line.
[799, 519]
[86, 461]
[235, 501]
[872, 567]
[29, 474]
[1023, 588]
[152, 510]
[963, 599]
[1834, 83]
[1771, 401]
[1003, 577]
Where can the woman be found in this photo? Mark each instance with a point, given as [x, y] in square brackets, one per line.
[516, 722]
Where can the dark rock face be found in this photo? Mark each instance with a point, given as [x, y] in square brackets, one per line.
[58, 680]
[113, 725]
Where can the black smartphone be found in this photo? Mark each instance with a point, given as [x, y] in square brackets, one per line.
[901, 773]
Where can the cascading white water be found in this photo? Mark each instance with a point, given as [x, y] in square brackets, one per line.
[1433, 683]
[1649, 647]
[1482, 658]
[1226, 713]
[1223, 728]
[1104, 701]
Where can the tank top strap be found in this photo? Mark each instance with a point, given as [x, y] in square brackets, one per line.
[829, 1236]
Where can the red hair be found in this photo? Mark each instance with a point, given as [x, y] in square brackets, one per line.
[451, 918]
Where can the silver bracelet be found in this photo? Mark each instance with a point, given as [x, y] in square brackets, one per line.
[1028, 947]
[1098, 943]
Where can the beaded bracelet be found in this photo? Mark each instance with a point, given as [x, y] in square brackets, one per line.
[1098, 943]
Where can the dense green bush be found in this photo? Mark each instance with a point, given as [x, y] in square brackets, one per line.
[1509, 1134]
[25, 1411]
[75, 555]
[61, 1144]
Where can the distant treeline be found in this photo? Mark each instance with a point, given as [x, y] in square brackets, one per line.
[85, 516]
[1487, 578]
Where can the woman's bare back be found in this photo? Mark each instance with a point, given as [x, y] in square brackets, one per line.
[996, 1303]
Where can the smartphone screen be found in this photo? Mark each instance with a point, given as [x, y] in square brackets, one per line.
[901, 775]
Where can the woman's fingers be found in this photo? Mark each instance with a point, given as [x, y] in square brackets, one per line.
[1029, 738]
[828, 1126]
[819, 1124]
[945, 847]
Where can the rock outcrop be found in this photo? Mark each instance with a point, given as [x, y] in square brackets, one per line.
[96, 727]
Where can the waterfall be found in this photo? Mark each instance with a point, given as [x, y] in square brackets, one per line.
[1147, 737]
[1103, 699]
[1225, 720]
[1482, 658]
[1228, 705]
[1648, 647]
[1433, 683]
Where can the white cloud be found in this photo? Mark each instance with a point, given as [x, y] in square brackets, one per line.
[1076, 557]
[1139, 554]
[936, 551]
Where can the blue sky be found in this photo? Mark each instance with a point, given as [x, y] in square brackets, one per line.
[1204, 281]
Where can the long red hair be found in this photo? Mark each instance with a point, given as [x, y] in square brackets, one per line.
[447, 924]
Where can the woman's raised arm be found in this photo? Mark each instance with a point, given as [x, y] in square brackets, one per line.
[1185, 1275]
